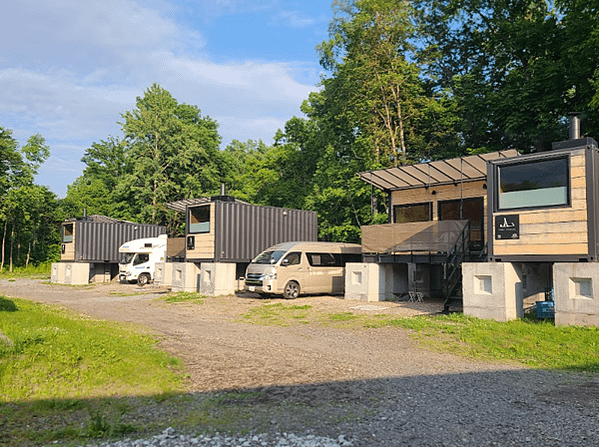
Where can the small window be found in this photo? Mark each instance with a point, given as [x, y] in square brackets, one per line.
[199, 219]
[417, 212]
[67, 233]
[534, 184]
[323, 260]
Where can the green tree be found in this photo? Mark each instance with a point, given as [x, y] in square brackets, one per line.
[173, 152]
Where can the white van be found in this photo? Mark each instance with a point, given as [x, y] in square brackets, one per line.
[139, 258]
[292, 268]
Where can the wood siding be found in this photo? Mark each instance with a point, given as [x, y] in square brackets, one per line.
[69, 247]
[556, 230]
[204, 242]
[441, 194]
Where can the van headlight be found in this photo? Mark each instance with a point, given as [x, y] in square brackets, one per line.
[270, 276]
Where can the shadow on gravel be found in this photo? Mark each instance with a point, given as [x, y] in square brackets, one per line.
[487, 408]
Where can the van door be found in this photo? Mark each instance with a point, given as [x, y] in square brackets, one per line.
[292, 268]
[326, 273]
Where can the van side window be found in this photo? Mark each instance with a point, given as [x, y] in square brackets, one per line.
[141, 258]
[322, 260]
[292, 258]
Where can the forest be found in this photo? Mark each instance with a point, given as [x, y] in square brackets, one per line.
[404, 82]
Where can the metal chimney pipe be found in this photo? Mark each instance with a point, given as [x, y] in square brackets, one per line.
[222, 189]
[575, 126]
[84, 212]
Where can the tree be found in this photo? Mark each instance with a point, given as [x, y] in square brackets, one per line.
[173, 153]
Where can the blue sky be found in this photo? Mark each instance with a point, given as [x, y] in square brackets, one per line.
[68, 68]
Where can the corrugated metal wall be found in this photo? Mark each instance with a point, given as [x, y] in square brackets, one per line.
[243, 231]
[100, 241]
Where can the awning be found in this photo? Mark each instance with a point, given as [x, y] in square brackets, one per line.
[181, 205]
[434, 173]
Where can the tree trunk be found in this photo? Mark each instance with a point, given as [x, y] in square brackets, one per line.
[3, 245]
[12, 238]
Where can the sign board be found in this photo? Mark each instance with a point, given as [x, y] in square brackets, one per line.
[507, 227]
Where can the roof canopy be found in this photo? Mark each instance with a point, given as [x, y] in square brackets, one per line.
[180, 205]
[434, 173]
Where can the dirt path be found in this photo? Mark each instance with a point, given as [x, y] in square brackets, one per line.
[221, 352]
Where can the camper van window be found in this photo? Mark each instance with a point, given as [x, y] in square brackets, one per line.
[141, 258]
[199, 219]
[416, 212]
[322, 260]
[67, 233]
[269, 257]
[534, 184]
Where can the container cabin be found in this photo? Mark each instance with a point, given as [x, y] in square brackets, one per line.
[225, 234]
[90, 247]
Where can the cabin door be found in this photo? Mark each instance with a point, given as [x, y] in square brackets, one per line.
[471, 209]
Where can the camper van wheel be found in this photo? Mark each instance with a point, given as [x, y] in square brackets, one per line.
[143, 279]
[291, 290]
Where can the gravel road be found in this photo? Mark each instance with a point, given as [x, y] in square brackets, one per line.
[338, 387]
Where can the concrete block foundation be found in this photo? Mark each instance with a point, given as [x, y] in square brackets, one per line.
[576, 294]
[492, 290]
[163, 273]
[77, 273]
[218, 278]
[57, 273]
[185, 277]
[375, 282]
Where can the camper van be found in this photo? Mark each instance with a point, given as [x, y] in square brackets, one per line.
[294, 268]
[139, 258]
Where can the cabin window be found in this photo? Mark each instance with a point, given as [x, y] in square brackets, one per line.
[471, 209]
[534, 184]
[322, 260]
[415, 212]
[67, 233]
[199, 219]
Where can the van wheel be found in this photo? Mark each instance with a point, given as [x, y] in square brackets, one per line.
[291, 291]
[143, 279]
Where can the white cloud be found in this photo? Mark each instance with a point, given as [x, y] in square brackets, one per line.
[73, 67]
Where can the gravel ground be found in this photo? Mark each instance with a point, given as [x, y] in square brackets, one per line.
[337, 387]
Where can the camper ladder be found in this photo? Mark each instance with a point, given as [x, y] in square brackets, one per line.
[453, 266]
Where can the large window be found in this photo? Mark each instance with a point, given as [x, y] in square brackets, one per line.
[471, 209]
[417, 212]
[67, 233]
[199, 219]
[534, 184]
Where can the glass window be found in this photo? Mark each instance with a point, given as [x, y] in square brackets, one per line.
[417, 212]
[141, 258]
[269, 257]
[534, 184]
[67, 233]
[199, 219]
[322, 260]
[292, 258]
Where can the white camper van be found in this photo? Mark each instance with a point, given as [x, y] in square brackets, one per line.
[139, 258]
[292, 268]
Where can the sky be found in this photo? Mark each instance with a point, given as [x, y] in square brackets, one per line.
[70, 68]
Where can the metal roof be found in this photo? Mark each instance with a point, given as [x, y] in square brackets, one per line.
[434, 173]
[181, 205]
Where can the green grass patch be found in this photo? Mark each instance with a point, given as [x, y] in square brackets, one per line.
[278, 314]
[54, 353]
[35, 271]
[184, 297]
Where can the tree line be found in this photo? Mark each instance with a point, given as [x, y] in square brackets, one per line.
[404, 82]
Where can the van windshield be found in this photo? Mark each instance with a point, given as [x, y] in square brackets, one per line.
[269, 257]
[127, 257]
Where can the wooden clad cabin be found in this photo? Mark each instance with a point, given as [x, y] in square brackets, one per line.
[445, 190]
[544, 206]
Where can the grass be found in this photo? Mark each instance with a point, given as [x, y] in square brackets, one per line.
[55, 363]
[184, 297]
[531, 342]
[39, 270]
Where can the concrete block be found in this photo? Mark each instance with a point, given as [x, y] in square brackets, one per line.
[77, 273]
[374, 282]
[163, 273]
[576, 293]
[57, 273]
[218, 278]
[185, 277]
[492, 290]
